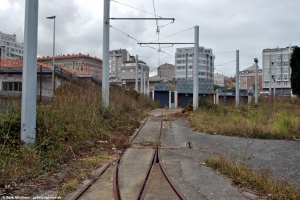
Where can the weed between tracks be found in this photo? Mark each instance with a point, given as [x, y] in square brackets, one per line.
[74, 126]
[266, 120]
[246, 178]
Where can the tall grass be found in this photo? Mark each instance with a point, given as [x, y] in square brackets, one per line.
[266, 120]
[68, 126]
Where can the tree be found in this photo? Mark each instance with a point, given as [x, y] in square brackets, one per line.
[216, 87]
[295, 75]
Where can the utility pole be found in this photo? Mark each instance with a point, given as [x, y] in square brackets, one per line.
[237, 79]
[142, 69]
[195, 69]
[144, 90]
[186, 67]
[136, 73]
[148, 87]
[28, 115]
[256, 80]
[274, 79]
[105, 70]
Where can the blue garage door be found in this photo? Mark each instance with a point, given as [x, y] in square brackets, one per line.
[162, 97]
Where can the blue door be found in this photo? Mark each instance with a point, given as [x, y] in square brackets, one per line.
[162, 97]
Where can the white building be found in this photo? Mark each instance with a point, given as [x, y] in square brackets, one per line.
[128, 72]
[277, 70]
[10, 48]
[184, 57]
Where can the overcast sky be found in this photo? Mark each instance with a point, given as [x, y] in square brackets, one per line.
[224, 26]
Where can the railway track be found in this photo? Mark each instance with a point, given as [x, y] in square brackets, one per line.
[137, 174]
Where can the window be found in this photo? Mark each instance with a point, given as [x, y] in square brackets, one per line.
[278, 77]
[285, 83]
[278, 70]
[12, 86]
[278, 83]
[285, 63]
[266, 57]
[266, 83]
[285, 57]
[278, 57]
[285, 70]
[285, 77]
[278, 64]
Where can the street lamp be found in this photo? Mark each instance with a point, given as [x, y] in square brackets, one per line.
[53, 66]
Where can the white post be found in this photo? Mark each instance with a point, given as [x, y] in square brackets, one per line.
[28, 115]
[53, 62]
[195, 69]
[256, 80]
[136, 73]
[142, 69]
[105, 64]
[237, 85]
[148, 87]
[144, 84]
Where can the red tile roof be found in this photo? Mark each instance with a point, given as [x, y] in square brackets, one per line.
[69, 56]
[19, 64]
[14, 64]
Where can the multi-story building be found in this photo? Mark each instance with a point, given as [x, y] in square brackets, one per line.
[277, 70]
[247, 78]
[184, 57]
[221, 80]
[10, 48]
[128, 72]
[116, 60]
[166, 70]
[81, 62]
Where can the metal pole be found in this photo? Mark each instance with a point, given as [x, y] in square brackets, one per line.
[237, 81]
[142, 69]
[144, 83]
[274, 85]
[53, 62]
[41, 83]
[270, 75]
[105, 70]
[136, 73]
[195, 69]
[148, 87]
[186, 66]
[256, 80]
[28, 115]
[61, 80]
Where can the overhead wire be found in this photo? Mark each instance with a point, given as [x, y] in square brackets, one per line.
[139, 40]
[137, 9]
[174, 34]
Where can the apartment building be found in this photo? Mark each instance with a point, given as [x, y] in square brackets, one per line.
[222, 80]
[128, 72]
[247, 78]
[80, 62]
[116, 60]
[184, 58]
[10, 48]
[277, 70]
[166, 70]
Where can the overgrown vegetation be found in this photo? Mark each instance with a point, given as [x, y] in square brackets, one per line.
[266, 120]
[266, 187]
[72, 124]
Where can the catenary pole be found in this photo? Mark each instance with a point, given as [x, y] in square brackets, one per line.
[28, 115]
[237, 81]
[136, 73]
[144, 83]
[256, 80]
[195, 69]
[142, 69]
[105, 70]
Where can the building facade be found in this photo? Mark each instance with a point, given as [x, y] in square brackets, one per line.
[277, 70]
[166, 70]
[221, 80]
[116, 60]
[184, 58]
[247, 78]
[80, 62]
[10, 48]
[128, 72]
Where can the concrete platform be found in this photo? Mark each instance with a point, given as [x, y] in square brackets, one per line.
[133, 171]
[159, 188]
[150, 132]
[196, 181]
[102, 189]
